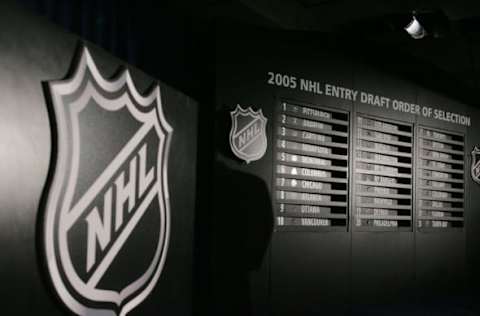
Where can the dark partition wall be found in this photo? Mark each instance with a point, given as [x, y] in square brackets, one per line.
[366, 181]
[136, 135]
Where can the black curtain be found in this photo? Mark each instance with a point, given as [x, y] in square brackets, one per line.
[106, 23]
[167, 41]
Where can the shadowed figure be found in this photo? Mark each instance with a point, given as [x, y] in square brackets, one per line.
[242, 223]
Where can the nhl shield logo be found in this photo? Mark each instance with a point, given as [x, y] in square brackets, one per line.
[107, 221]
[475, 167]
[248, 138]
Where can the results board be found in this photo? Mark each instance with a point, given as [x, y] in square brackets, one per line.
[312, 172]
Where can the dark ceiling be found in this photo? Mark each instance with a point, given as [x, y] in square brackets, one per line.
[126, 28]
[454, 50]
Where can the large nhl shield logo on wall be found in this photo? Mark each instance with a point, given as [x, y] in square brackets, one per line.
[106, 229]
[475, 167]
[248, 138]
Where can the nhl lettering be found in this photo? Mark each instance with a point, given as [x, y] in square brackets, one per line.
[248, 139]
[109, 194]
[248, 134]
[125, 200]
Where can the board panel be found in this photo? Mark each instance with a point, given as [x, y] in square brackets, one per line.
[441, 184]
[311, 168]
[383, 174]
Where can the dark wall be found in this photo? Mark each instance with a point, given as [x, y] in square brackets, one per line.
[169, 41]
[139, 32]
[349, 272]
[33, 52]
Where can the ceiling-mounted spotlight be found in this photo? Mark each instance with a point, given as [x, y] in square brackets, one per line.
[433, 23]
[415, 29]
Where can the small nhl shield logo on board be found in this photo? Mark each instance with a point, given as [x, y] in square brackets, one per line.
[248, 138]
[475, 167]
